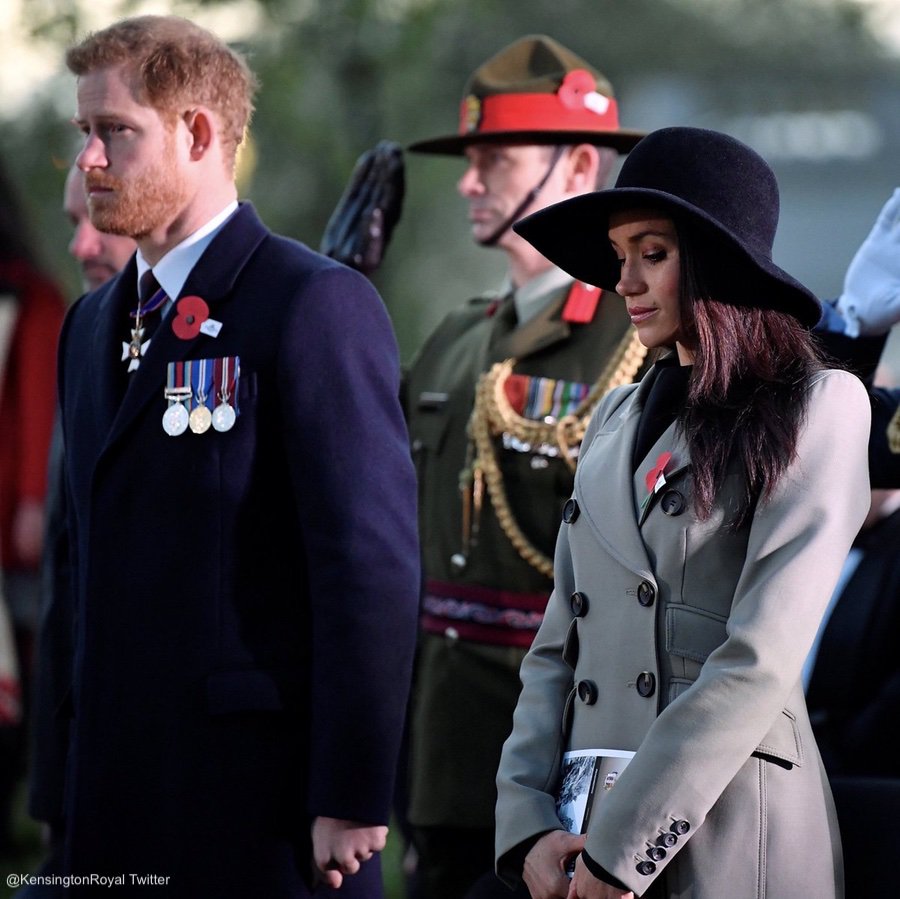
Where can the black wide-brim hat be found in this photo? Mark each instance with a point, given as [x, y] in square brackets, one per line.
[535, 91]
[710, 178]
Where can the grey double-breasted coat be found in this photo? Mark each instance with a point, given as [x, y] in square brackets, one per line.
[685, 643]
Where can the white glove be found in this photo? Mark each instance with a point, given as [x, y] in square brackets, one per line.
[870, 303]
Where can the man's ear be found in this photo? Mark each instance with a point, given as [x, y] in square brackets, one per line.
[583, 163]
[201, 128]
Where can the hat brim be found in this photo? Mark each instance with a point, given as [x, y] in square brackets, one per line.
[622, 140]
[573, 235]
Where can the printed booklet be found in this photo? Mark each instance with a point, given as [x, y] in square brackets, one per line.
[587, 775]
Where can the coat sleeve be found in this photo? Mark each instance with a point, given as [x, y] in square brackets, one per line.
[797, 543]
[354, 485]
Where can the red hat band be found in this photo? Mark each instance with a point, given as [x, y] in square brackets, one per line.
[576, 106]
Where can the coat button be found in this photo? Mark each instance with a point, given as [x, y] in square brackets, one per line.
[646, 593]
[656, 853]
[646, 868]
[578, 603]
[672, 502]
[667, 839]
[680, 827]
[570, 511]
[646, 686]
[587, 692]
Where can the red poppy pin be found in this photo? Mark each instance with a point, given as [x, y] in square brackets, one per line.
[655, 479]
[575, 87]
[191, 312]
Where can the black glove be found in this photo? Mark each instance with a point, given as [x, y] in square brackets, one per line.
[360, 227]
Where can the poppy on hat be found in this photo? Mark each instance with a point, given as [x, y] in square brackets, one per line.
[706, 177]
[535, 91]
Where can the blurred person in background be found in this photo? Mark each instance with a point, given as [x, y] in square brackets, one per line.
[31, 314]
[851, 674]
[496, 400]
[98, 254]
[855, 328]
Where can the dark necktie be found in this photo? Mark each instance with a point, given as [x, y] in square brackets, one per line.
[152, 299]
[144, 319]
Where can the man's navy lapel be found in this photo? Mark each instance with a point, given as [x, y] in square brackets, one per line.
[111, 328]
[212, 279]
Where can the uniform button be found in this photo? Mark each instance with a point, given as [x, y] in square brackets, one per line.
[587, 692]
[578, 603]
[570, 511]
[646, 686]
[646, 868]
[646, 593]
[672, 502]
[656, 853]
[417, 445]
[667, 839]
[452, 634]
[680, 827]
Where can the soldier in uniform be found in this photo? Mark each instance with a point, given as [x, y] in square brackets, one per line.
[497, 401]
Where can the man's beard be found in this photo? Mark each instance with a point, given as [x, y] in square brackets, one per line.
[139, 204]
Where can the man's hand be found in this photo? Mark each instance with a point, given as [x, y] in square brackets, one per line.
[870, 303]
[544, 872]
[340, 847]
[585, 886]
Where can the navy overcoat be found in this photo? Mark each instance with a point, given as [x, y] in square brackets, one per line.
[243, 602]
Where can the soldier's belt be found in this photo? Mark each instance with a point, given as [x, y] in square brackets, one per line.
[482, 614]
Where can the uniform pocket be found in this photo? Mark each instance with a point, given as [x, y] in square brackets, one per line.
[428, 426]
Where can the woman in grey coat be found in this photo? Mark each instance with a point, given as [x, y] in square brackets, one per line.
[714, 504]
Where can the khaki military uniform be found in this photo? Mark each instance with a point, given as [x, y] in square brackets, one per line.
[483, 601]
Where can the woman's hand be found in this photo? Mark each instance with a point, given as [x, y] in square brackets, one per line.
[544, 872]
[585, 886]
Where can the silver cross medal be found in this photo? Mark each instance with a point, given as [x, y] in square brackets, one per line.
[136, 348]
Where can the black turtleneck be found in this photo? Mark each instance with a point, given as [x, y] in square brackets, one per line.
[664, 401]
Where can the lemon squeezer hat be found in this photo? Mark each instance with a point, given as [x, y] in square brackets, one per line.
[535, 91]
[711, 179]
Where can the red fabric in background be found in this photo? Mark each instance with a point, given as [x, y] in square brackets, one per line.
[28, 398]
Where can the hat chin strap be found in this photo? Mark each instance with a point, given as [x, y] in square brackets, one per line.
[517, 213]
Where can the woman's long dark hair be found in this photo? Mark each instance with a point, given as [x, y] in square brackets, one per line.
[747, 393]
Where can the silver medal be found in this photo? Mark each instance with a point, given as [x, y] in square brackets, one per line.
[175, 420]
[223, 417]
